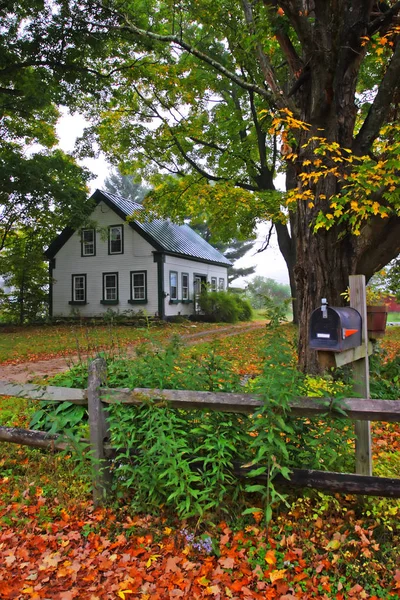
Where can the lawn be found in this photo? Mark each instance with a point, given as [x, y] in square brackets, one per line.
[54, 544]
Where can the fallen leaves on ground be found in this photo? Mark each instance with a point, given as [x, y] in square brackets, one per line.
[97, 554]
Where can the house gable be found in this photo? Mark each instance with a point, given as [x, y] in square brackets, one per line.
[162, 235]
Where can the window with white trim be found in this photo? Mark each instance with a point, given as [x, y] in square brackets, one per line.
[173, 285]
[221, 284]
[115, 239]
[110, 287]
[185, 286]
[138, 286]
[88, 239]
[213, 284]
[79, 288]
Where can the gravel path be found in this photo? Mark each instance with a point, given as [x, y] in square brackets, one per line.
[26, 372]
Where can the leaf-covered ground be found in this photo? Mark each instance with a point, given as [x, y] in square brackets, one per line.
[21, 344]
[319, 549]
[55, 545]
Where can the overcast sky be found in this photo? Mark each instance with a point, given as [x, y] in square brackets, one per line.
[269, 263]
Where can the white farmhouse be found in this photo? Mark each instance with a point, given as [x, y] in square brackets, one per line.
[156, 266]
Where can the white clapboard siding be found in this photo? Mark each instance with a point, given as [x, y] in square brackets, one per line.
[138, 255]
[181, 265]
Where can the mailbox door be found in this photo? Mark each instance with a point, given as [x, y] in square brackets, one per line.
[325, 332]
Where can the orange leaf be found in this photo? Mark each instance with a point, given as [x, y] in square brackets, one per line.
[270, 557]
[227, 563]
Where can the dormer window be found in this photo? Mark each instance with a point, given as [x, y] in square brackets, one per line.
[88, 241]
[115, 239]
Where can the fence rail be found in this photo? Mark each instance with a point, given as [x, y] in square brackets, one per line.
[360, 409]
[97, 398]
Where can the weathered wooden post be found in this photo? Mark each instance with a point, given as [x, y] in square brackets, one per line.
[99, 431]
[361, 377]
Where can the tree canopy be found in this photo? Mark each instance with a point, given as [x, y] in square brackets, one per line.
[210, 100]
[40, 186]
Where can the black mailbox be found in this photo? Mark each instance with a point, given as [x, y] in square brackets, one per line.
[335, 329]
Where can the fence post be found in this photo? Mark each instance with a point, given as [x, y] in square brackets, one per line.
[361, 377]
[99, 431]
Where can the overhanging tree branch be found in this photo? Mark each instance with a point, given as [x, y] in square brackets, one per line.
[377, 113]
[384, 19]
[178, 41]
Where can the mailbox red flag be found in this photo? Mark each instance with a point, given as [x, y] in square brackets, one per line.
[349, 332]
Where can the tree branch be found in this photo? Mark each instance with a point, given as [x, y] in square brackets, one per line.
[377, 113]
[265, 65]
[384, 19]
[212, 145]
[178, 41]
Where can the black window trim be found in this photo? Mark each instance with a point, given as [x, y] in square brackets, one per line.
[83, 243]
[110, 227]
[173, 300]
[104, 299]
[74, 302]
[187, 299]
[140, 300]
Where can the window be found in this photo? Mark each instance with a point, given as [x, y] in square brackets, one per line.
[185, 286]
[173, 286]
[115, 239]
[221, 285]
[138, 287]
[110, 288]
[88, 240]
[213, 284]
[78, 289]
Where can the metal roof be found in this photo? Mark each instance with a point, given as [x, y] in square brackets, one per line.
[168, 237]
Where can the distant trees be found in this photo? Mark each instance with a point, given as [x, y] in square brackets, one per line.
[125, 186]
[24, 294]
[261, 288]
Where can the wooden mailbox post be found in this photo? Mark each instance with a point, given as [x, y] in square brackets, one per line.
[331, 354]
[361, 377]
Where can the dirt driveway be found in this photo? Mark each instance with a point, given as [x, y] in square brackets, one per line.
[26, 372]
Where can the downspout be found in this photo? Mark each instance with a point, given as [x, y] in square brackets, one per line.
[51, 267]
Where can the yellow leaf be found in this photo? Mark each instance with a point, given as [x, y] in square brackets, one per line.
[152, 559]
[334, 545]
[203, 581]
[277, 574]
[228, 592]
[167, 530]
[122, 593]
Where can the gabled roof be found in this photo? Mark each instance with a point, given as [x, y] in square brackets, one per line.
[163, 235]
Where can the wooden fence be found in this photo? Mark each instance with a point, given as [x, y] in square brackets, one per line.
[97, 398]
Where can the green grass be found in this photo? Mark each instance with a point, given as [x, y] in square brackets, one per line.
[394, 317]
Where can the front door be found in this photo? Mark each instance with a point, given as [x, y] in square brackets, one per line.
[199, 282]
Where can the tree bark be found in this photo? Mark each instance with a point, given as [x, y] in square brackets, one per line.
[333, 51]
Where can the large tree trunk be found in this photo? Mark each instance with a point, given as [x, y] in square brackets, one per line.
[331, 54]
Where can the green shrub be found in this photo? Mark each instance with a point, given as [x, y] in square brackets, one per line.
[223, 307]
[183, 459]
[244, 307]
[384, 376]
